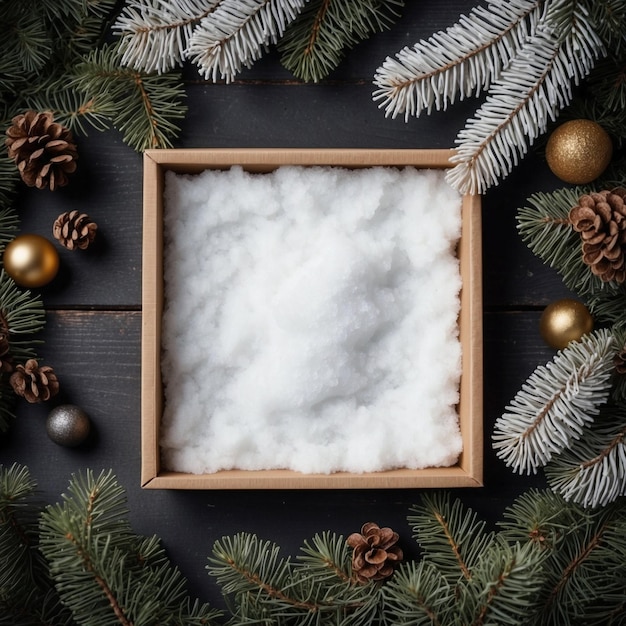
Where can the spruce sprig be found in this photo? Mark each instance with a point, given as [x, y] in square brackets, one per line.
[145, 108]
[556, 403]
[102, 570]
[27, 595]
[592, 472]
[23, 315]
[526, 56]
[453, 537]
[458, 582]
[235, 35]
[154, 36]
[314, 43]
[584, 557]
[317, 588]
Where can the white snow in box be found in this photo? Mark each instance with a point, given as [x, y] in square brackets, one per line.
[310, 320]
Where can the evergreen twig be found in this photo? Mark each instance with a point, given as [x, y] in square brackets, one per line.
[236, 34]
[145, 108]
[103, 572]
[154, 35]
[556, 403]
[314, 43]
[525, 55]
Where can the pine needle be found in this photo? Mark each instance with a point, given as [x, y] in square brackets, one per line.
[556, 403]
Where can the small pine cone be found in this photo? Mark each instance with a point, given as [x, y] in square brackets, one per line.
[375, 553]
[43, 150]
[600, 218]
[34, 383]
[74, 230]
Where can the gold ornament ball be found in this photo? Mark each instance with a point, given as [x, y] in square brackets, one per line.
[31, 260]
[579, 151]
[563, 321]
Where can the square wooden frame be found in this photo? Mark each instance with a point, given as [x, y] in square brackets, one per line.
[467, 472]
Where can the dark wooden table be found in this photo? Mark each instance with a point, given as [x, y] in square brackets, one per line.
[92, 335]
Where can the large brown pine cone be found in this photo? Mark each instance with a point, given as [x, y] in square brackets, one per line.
[43, 150]
[74, 230]
[600, 218]
[34, 383]
[375, 553]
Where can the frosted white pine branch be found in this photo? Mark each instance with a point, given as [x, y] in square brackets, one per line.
[236, 34]
[457, 62]
[155, 33]
[519, 105]
[595, 481]
[555, 404]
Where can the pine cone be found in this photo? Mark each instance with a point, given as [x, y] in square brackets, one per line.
[600, 218]
[34, 383]
[74, 230]
[43, 150]
[375, 553]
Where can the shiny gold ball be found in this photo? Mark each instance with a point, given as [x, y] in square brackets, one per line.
[31, 260]
[563, 321]
[579, 151]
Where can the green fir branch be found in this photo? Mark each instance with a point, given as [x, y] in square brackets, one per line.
[546, 228]
[314, 43]
[104, 572]
[504, 585]
[556, 403]
[27, 596]
[582, 572]
[584, 557]
[419, 594]
[451, 536]
[260, 585]
[9, 177]
[144, 108]
[22, 313]
[72, 108]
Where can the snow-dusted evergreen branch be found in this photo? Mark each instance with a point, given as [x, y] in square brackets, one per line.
[236, 33]
[529, 93]
[556, 403]
[457, 62]
[155, 33]
[593, 472]
[525, 55]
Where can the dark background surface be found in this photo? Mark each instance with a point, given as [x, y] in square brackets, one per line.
[92, 335]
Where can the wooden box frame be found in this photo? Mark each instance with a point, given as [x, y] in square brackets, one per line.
[467, 472]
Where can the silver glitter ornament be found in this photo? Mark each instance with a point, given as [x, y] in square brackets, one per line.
[68, 425]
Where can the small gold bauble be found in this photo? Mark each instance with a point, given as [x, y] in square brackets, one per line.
[563, 321]
[31, 260]
[579, 151]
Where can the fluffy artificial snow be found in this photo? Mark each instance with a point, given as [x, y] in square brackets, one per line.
[310, 320]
